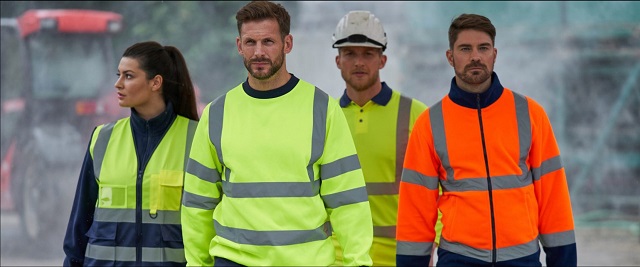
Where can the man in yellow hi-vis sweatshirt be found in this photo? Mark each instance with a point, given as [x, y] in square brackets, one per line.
[273, 170]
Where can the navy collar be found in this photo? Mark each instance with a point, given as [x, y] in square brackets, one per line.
[469, 100]
[382, 98]
[280, 91]
[157, 125]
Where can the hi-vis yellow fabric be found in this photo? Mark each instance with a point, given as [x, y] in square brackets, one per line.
[269, 179]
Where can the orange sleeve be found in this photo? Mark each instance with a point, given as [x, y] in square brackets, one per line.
[550, 182]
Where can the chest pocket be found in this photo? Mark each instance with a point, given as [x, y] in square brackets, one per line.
[112, 196]
[166, 191]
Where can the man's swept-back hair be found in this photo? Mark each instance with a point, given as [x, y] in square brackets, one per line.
[470, 22]
[168, 62]
[261, 10]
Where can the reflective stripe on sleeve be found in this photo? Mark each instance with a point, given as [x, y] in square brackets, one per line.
[558, 239]
[203, 172]
[414, 177]
[351, 196]
[414, 248]
[197, 201]
[339, 167]
[547, 166]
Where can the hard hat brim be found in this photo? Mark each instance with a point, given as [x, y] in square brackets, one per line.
[357, 44]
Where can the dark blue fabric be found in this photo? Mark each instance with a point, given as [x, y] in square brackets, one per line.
[75, 241]
[407, 260]
[217, 262]
[94, 262]
[382, 98]
[469, 100]
[566, 255]
[147, 136]
[124, 234]
[447, 258]
[276, 92]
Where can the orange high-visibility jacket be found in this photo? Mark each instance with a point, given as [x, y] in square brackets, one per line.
[504, 186]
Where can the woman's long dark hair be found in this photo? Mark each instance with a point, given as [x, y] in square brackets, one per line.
[168, 62]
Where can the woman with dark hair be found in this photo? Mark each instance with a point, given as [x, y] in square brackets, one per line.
[127, 204]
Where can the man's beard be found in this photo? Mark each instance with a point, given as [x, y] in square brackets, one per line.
[361, 86]
[274, 67]
[471, 78]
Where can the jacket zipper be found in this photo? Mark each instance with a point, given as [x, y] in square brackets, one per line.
[489, 187]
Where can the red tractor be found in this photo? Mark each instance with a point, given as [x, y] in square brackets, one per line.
[58, 70]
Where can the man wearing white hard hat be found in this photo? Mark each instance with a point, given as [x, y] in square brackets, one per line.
[380, 120]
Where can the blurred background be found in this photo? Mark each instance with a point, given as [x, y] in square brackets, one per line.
[580, 60]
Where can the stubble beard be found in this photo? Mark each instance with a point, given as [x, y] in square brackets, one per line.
[274, 67]
[360, 87]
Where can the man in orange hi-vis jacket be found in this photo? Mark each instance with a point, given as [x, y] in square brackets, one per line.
[494, 153]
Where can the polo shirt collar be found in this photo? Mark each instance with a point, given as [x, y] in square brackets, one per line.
[382, 98]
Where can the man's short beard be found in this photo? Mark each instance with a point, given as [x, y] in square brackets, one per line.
[275, 67]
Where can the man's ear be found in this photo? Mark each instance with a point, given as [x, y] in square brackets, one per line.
[449, 55]
[383, 61]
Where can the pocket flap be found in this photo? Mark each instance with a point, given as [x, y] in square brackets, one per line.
[103, 230]
[171, 232]
[171, 178]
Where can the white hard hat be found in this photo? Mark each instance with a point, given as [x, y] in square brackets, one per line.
[360, 28]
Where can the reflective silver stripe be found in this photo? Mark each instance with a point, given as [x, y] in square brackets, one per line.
[196, 201]
[216, 116]
[480, 183]
[271, 189]
[547, 166]
[414, 248]
[439, 138]
[116, 215]
[374, 189]
[503, 254]
[191, 129]
[351, 196]
[272, 238]
[524, 130]
[100, 147]
[129, 254]
[384, 231]
[320, 102]
[558, 239]
[402, 134]
[402, 138]
[129, 215]
[203, 172]
[110, 253]
[163, 255]
[414, 177]
[339, 167]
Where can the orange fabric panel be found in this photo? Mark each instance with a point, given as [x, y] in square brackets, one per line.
[416, 222]
[554, 204]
